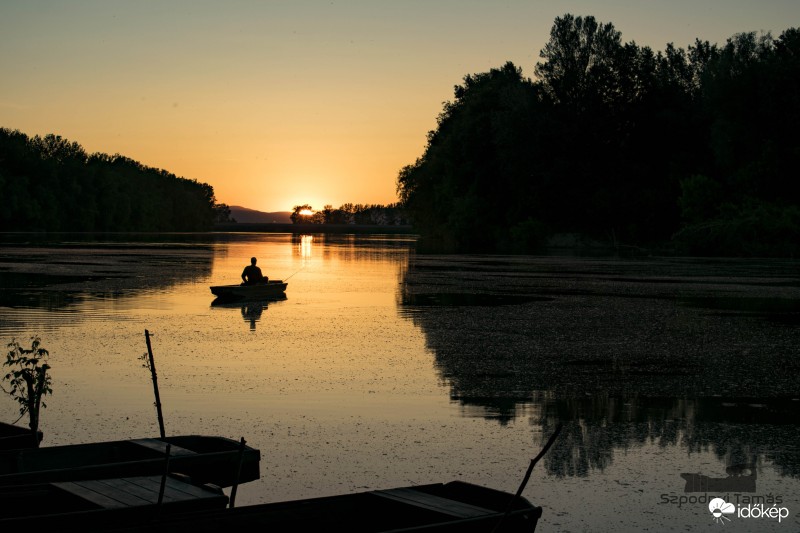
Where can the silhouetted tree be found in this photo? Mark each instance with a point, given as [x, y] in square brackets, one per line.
[381, 215]
[458, 192]
[581, 63]
[222, 214]
[298, 217]
[621, 143]
[28, 380]
[51, 184]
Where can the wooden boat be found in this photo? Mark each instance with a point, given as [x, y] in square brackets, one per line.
[274, 288]
[71, 505]
[452, 507]
[205, 459]
[12, 436]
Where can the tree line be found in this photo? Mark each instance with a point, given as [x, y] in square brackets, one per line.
[696, 149]
[51, 184]
[362, 214]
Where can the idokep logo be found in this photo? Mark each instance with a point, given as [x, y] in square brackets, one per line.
[719, 508]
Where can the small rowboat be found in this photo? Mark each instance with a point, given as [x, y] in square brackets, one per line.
[261, 291]
[205, 459]
[455, 507]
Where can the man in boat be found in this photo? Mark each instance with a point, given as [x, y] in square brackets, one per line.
[251, 275]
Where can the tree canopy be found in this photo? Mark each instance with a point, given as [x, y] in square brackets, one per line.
[363, 214]
[51, 184]
[612, 140]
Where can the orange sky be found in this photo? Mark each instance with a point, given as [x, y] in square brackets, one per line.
[279, 103]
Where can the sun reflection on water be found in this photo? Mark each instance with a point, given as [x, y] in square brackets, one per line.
[305, 246]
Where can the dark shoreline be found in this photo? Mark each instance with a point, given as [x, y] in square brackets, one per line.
[276, 227]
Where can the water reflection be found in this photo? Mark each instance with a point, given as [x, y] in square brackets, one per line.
[739, 431]
[303, 244]
[251, 310]
[71, 282]
[345, 247]
[698, 355]
[62, 276]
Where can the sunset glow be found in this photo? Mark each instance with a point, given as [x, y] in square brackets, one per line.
[267, 100]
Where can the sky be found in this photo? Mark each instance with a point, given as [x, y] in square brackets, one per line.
[282, 103]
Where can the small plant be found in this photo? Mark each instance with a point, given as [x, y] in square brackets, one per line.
[28, 379]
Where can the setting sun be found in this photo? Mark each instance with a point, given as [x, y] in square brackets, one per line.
[306, 212]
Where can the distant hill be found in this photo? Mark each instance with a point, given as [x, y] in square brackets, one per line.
[245, 215]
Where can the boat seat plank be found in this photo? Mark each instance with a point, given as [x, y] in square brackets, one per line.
[161, 446]
[175, 489]
[134, 491]
[123, 487]
[96, 495]
[433, 502]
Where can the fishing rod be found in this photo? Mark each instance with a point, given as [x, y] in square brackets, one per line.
[293, 273]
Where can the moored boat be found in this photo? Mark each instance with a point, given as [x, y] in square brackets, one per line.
[12, 436]
[75, 505]
[205, 459]
[260, 291]
[451, 507]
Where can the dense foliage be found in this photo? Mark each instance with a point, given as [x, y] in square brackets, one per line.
[28, 379]
[51, 184]
[620, 143]
[363, 214]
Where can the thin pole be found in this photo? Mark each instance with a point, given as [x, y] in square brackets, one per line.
[293, 273]
[238, 473]
[535, 460]
[163, 487]
[155, 385]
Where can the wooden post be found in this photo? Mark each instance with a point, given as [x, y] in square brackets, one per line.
[41, 381]
[155, 384]
[238, 473]
[163, 487]
[516, 496]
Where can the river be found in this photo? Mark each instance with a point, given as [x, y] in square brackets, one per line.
[386, 368]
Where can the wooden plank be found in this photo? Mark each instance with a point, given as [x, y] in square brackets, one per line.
[191, 490]
[136, 494]
[161, 446]
[121, 490]
[135, 491]
[91, 495]
[434, 503]
[153, 484]
[175, 489]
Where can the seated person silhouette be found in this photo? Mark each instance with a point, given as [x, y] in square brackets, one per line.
[251, 275]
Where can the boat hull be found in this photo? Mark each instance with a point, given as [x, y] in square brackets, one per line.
[74, 505]
[204, 459]
[12, 437]
[455, 507]
[263, 291]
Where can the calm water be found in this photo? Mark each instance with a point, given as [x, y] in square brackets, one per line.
[383, 368]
